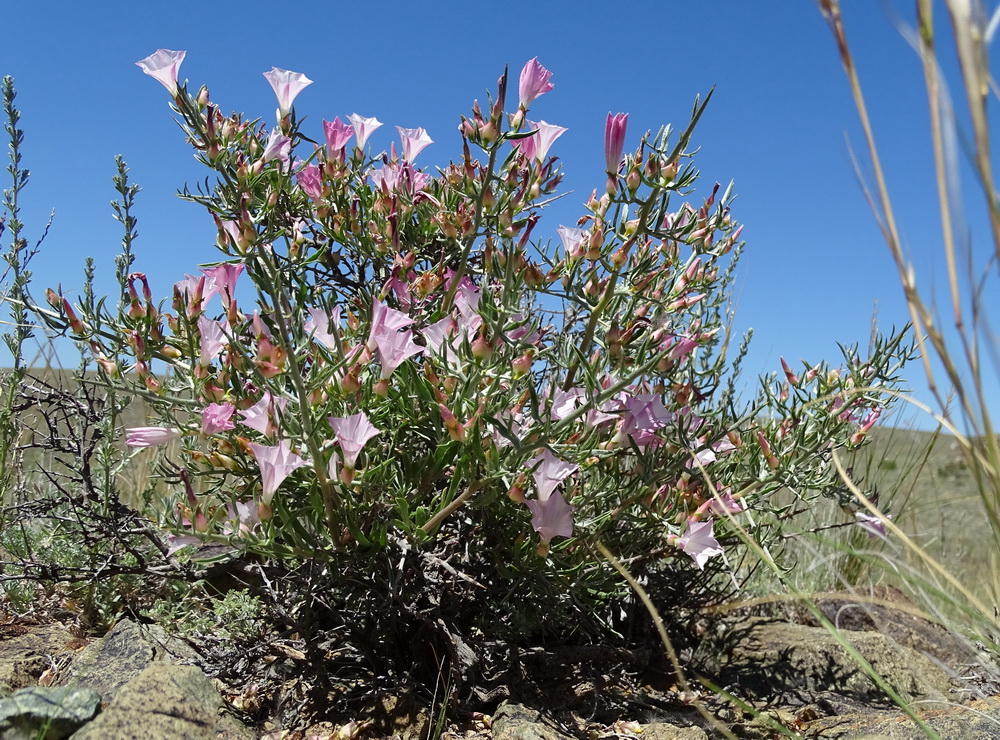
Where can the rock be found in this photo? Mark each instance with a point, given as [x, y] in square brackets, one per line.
[792, 664]
[46, 713]
[109, 663]
[979, 719]
[515, 722]
[666, 731]
[398, 716]
[887, 610]
[230, 728]
[25, 653]
[164, 702]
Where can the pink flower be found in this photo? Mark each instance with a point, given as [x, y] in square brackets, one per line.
[241, 518]
[190, 291]
[162, 65]
[549, 472]
[393, 348]
[439, 338]
[726, 504]
[699, 543]
[572, 240]
[534, 82]
[551, 517]
[276, 463]
[213, 339]
[679, 347]
[537, 145]
[414, 141]
[217, 417]
[874, 526]
[310, 180]
[644, 414]
[564, 403]
[352, 433]
[467, 298]
[385, 319]
[318, 326]
[263, 415]
[150, 436]
[222, 278]
[399, 178]
[286, 86]
[614, 140]
[277, 147]
[337, 135]
[363, 127]
[701, 459]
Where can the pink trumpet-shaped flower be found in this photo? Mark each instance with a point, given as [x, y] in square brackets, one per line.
[644, 414]
[352, 433]
[534, 82]
[277, 147]
[384, 320]
[242, 518]
[150, 436]
[311, 181]
[614, 140]
[162, 65]
[565, 403]
[537, 145]
[549, 472]
[217, 417]
[318, 326]
[286, 86]
[699, 542]
[551, 517]
[276, 463]
[572, 241]
[414, 141]
[221, 279]
[262, 416]
[363, 127]
[725, 504]
[337, 135]
[190, 292]
[393, 348]
[213, 339]
[546, 136]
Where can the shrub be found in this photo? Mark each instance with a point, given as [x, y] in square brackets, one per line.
[440, 410]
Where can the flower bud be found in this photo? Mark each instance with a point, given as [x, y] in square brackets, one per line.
[516, 491]
[351, 382]
[632, 181]
[456, 430]
[482, 349]
[522, 365]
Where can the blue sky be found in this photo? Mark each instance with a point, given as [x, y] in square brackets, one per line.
[778, 125]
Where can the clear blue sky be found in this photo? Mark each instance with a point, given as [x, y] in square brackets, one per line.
[815, 264]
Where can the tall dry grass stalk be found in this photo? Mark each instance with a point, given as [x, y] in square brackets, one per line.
[958, 360]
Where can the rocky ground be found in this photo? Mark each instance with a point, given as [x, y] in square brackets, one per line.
[782, 677]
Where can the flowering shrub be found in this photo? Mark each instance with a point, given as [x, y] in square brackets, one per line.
[426, 383]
